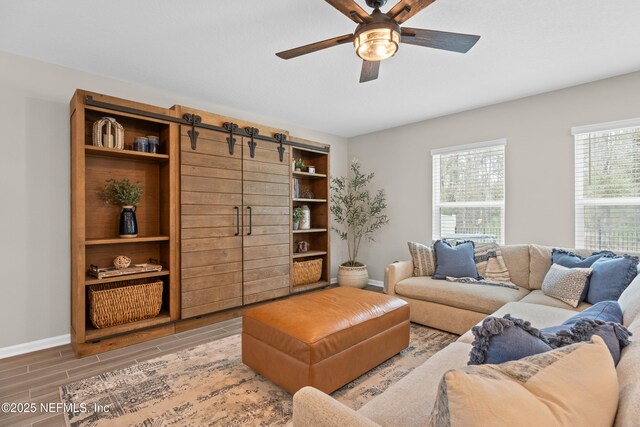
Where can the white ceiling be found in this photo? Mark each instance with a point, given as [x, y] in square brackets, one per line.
[224, 52]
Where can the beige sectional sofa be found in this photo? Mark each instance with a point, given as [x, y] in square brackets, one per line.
[457, 307]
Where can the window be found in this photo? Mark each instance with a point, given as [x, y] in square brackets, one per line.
[608, 186]
[468, 192]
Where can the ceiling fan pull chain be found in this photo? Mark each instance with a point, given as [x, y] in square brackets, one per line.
[231, 128]
[252, 132]
[281, 138]
[193, 120]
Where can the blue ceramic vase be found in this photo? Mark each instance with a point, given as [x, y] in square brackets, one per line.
[128, 222]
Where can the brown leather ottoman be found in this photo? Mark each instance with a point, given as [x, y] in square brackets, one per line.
[324, 339]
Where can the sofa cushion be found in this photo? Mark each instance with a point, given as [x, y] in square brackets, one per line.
[566, 284]
[556, 388]
[610, 278]
[629, 381]
[516, 258]
[540, 316]
[630, 302]
[538, 297]
[454, 261]
[409, 401]
[539, 264]
[479, 298]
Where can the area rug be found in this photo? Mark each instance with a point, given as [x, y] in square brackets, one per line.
[209, 386]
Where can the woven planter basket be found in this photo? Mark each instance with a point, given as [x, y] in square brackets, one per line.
[113, 304]
[305, 272]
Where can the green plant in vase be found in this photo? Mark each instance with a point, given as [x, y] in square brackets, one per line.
[126, 194]
[299, 165]
[296, 216]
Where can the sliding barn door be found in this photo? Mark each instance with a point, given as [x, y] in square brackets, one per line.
[211, 224]
[266, 199]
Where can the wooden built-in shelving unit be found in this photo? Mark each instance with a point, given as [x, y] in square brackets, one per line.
[318, 235]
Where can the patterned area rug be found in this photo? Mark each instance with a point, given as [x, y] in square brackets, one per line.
[209, 386]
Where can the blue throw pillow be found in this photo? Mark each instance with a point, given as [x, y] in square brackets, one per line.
[571, 260]
[454, 261]
[610, 277]
[614, 335]
[499, 340]
[606, 311]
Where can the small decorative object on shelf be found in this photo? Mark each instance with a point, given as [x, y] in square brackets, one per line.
[126, 194]
[296, 216]
[103, 273]
[299, 165]
[311, 169]
[141, 144]
[305, 221]
[108, 133]
[307, 194]
[121, 262]
[154, 144]
[302, 247]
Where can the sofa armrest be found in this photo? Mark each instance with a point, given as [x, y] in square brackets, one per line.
[313, 408]
[395, 273]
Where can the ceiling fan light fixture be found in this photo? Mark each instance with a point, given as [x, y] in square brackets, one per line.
[377, 44]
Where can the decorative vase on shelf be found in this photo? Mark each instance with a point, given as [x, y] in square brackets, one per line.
[296, 225]
[305, 221]
[128, 222]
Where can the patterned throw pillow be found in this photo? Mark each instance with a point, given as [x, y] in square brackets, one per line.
[556, 388]
[423, 262]
[566, 284]
[490, 263]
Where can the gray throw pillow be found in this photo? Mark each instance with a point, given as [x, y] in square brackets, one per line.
[454, 261]
[566, 284]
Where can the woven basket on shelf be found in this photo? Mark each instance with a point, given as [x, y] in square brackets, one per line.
[116, 303]
[305, 272]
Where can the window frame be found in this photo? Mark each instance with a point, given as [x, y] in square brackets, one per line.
[579, 201]
[437, 205]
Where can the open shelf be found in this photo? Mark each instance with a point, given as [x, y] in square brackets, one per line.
[309, 175]
[310, 200]
[95, 334]
[92, 150]
[124, 240]
[309, 254]
[91, 280]
[310, 230]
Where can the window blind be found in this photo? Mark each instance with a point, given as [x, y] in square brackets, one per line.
[468, 192]
[608, 189]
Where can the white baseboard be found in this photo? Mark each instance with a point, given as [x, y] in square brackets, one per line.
[378, 283]
[372, 282]
[32, 346]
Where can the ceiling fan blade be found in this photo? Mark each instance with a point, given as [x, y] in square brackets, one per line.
[370, 71]
[314, 47]
[351, 9]
[405, 9]
[453, 42]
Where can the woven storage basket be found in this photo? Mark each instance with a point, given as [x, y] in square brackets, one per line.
[116, 303]
[305, 272]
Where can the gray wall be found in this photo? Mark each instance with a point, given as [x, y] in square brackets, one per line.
[539, 163]
[34, 172]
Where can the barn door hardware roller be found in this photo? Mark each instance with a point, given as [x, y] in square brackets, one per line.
[194, 120]
[252, 132]
[280, 138]
[231, 128]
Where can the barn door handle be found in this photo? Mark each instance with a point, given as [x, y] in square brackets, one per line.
[237, 220]
[250, 217]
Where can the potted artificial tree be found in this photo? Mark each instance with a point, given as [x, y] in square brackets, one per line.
[299, 165]
[127, 195]
[357, 214]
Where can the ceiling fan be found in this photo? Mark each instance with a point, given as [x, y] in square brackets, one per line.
[378, 35]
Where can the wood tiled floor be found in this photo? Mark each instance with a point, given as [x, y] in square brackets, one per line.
[36, 377]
